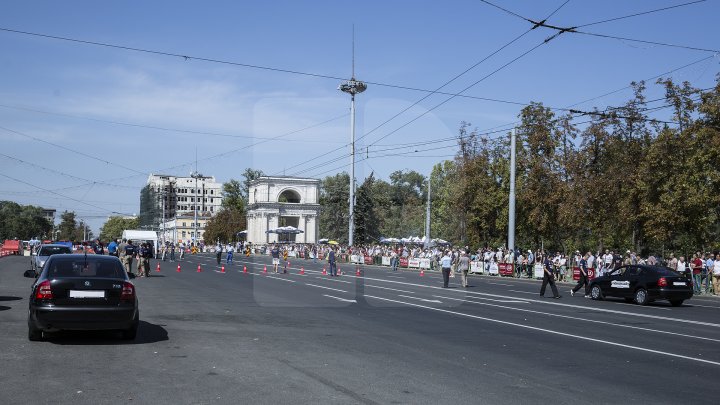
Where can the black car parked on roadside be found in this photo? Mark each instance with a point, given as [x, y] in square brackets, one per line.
[82, 292]
[642, 284]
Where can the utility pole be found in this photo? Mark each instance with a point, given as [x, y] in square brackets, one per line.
[427, 218]
[511, 208]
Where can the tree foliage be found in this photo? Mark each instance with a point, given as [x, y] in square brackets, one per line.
[622, 180]
[23, 222]
[113, 228]
[225, 225]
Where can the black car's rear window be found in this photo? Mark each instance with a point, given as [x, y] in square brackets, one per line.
[59, 268]
[53, 250]
[665, 271]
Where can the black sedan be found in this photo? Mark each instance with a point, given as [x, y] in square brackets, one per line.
[82, 292]
[642, 284]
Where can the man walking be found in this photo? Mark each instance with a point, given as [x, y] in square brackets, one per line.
[583, 277]
[463, 267]
[144, 260]
[445, 263]
[548, 278]
[331, 263]
[275, 253]
[218, 253]
[130, 252]
[229, 258]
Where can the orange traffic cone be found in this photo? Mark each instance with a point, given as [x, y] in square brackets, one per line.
[302, 271]
[324, 273]
[157, 269]
[422, 273]
[357, 271]
[222, 269]
[265, 269]
[199, 270]
[178, 269]
[245, 269]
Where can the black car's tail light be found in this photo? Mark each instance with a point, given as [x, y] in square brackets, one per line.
[662, 282]
[128, 292]
[43, 291]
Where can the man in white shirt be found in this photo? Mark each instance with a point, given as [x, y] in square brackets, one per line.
[445, 263]
[716, 275]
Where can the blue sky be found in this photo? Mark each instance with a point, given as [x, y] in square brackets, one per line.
[61, 103]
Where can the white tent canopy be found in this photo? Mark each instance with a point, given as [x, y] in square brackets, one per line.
[141, 236]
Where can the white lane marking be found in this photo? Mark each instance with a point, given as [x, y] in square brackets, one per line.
[339, 299]
[580, 319]
[570, 335]
[554, 302]
[507, 285]
[401, 278]
[489, 299]
[647, 306]
[420, 299]
[524, 292]
[327, 288]
[701, 306]
[388, 288]
[336, 280]
[281, 279]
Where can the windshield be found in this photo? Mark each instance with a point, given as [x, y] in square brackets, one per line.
[85, 268]
[53, 250]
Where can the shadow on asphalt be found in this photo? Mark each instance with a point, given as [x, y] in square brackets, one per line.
[4, 308]
[147, 333]
[4, 298]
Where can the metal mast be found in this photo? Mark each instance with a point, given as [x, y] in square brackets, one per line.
[511, 208]
[352, 87]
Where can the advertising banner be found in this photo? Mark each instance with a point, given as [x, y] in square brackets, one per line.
[425, 263]
[385, 261]
[414, 263]
[506, 269]
[576, 273]
[494, 269]
[403, 262]
[538, 271]
[477, 267]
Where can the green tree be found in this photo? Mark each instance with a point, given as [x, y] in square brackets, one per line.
[233, 197]
[334, 200]
[22, 221]
[366, 219]
[225, 225]
[248, 176]
[113, 228]
[67, 226]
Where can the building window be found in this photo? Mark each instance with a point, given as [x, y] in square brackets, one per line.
[183, 234]
[184, 225]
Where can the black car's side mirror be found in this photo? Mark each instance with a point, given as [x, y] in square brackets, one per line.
[30, 274]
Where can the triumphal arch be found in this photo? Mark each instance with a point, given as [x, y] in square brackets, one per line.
[275, 202]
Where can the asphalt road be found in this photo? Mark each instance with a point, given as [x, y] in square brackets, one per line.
[383, 337]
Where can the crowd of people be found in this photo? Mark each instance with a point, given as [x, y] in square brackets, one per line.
[702, 268]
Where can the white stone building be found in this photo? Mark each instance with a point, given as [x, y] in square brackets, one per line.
[283, 201]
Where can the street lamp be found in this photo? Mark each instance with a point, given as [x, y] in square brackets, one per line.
[352, 87]
[195, 175]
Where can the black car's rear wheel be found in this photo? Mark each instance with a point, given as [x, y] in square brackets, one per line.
[641, 296]
[596, 292]
[34, 334]
[676, 303]
[131, 333]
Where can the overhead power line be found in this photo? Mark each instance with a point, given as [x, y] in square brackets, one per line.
[640, 13]
[64, 196]
[694, 48]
